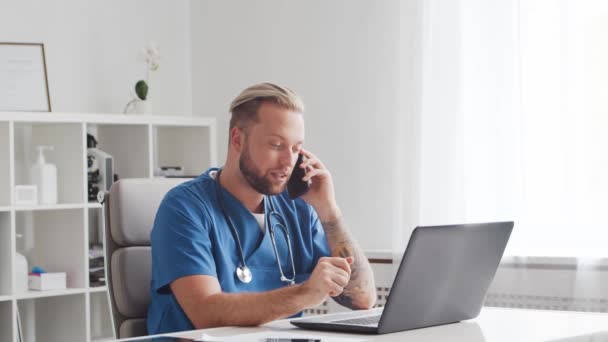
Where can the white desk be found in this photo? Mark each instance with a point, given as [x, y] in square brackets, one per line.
[492, 325]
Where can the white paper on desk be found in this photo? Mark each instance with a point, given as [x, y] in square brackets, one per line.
[261, 336]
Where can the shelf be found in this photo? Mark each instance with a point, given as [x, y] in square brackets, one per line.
[6, 321]
[128, 146]
[49, 293]
[94, 205]
[184, 147]
[68, 156]
[6, 269]
[101, 324]
[55, 241]
[5, 164]
[41, 207]
[58, 237]
[107, 118]
[96, 237]
[56, 318]
[98, 289]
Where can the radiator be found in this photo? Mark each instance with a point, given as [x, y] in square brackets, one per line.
[530, 283]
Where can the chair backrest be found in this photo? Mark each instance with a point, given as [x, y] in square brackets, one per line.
[130, 207]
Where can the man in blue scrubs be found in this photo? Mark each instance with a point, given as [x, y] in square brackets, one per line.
[230, 248]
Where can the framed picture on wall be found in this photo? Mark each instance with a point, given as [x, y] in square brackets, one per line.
[23, 80]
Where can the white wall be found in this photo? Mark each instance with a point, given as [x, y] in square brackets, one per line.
[92, 48]
[343, 58]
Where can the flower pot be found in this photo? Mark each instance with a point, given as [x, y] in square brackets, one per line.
[142, 107]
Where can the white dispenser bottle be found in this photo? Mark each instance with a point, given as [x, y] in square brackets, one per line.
[21, 272]
[44, 175]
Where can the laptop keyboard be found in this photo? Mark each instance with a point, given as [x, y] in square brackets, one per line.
[369, 320]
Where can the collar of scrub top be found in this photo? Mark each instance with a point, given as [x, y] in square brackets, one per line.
[243, 273]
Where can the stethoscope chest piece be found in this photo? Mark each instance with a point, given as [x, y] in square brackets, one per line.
[244, 274]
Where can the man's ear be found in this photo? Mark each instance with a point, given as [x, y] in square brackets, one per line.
[237, 138]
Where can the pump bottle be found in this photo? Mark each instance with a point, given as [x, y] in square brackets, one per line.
[44, 175]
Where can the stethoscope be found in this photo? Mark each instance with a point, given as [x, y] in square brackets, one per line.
[243, 273]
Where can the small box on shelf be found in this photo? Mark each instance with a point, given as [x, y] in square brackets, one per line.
[26, 194]
[168, 171]
[47, 281]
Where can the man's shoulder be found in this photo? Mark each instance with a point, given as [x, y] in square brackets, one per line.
[187, 202]
[192, 193]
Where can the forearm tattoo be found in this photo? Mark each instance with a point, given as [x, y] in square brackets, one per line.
[361, 287]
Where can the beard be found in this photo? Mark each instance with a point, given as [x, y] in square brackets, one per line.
[254, 176]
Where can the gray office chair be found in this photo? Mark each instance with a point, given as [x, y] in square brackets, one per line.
[130, 207]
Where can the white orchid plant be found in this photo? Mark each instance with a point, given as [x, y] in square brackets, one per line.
[149, 54]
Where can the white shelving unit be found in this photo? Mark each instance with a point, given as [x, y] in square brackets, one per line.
[57, 237]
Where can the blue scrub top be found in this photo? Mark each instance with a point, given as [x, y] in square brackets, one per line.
[191, 236]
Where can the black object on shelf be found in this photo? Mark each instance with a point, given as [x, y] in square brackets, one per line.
[97, 276]
[100, 169]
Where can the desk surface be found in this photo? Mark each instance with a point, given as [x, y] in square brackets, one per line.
[492, 325]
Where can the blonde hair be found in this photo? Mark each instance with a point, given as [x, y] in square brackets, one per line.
[244, 107]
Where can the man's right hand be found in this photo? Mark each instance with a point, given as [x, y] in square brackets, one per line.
[330, 276]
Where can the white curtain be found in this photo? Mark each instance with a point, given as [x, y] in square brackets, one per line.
[513, 122]
[564, 54]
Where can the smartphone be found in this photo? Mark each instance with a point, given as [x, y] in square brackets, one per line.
[296, 187]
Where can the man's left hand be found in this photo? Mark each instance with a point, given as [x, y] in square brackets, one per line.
[321, 194]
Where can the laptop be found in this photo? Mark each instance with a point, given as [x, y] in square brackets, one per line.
[443, 278]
